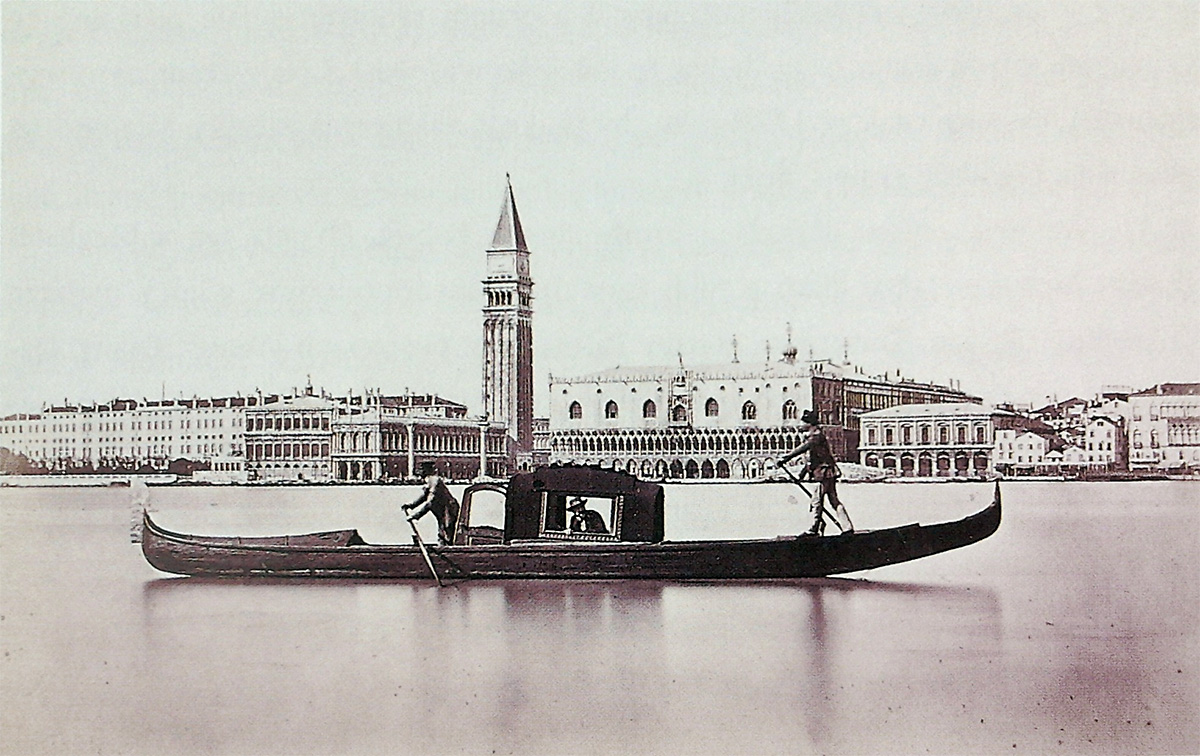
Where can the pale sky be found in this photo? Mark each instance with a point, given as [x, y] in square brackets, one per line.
[214, 197]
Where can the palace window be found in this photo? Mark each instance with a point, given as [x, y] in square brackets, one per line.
[943, 435]
[906, 435]
[887, 436]
[649, 409]
[610, 410]
[749, 411]
[576, 411]
[925, 434]
[711, 408]
[871, 436]
[679, 413]
[789, 409]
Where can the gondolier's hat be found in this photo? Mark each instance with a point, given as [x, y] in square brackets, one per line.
[576, 503]
[810, 417]
[426, 468]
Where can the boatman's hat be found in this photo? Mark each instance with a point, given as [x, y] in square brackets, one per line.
[576, 503]
[810, 417]
[426, 468]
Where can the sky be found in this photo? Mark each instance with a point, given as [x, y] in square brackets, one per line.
[213, 198]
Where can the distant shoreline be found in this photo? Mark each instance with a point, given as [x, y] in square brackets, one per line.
[168, 479]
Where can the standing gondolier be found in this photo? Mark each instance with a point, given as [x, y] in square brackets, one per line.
[823, 469]
[435, 497]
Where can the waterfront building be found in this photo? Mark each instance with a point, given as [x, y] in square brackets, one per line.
[289, 438]
[1067, 460]
[1105, 443]
[715, 421]
[955, 439]
[223, 470]
[381, 438]
[508, 333]
[723, 420]
[843, 395]
[1164, 427]
[541, 441]
[128, 434]
[1020, 452]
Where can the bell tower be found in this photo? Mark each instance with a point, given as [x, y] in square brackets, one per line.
[508, 332]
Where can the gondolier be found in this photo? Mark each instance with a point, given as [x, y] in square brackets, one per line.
[823, 470]
[435, 497]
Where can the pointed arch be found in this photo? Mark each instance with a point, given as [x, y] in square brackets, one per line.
[789, 410]
[749, 411]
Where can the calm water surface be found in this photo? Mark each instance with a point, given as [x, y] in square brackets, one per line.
[1073, 630]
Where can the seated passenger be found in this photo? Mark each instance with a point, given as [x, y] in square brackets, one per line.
[584, 520]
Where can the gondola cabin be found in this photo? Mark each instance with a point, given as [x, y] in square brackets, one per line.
[549, 504]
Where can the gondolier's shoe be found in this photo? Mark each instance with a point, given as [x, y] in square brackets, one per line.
[816, 530]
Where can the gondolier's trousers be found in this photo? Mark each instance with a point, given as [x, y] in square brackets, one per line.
[828, 489]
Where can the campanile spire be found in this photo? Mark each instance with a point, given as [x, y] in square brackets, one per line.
[509, 235]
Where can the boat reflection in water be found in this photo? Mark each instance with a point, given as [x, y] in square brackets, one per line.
[648, 662]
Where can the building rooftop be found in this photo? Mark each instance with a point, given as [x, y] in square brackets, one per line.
[1171, 389]
[940, 409]
[730, 370]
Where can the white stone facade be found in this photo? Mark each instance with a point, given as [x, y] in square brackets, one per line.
[932, 440]
[129, 432]
[1104, 443]
[717, 421]
[1164, 427]
[290, 439]
[1020, 450]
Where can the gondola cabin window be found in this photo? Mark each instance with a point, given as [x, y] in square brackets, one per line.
[580, 517]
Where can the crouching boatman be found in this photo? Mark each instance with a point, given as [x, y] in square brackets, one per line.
[435, 497]
[822, 469]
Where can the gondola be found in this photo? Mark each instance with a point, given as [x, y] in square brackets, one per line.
[537, 541]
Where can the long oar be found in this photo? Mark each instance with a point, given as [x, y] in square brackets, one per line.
[794, 479]
[424, 552]
[824, 508]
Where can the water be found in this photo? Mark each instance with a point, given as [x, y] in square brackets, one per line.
[1073, 630]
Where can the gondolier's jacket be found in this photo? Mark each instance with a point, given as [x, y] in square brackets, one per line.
[821, 463]
[437, 498]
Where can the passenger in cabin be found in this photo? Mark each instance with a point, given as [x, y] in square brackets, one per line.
[584, 520]
[435, 497]
[823, 470]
